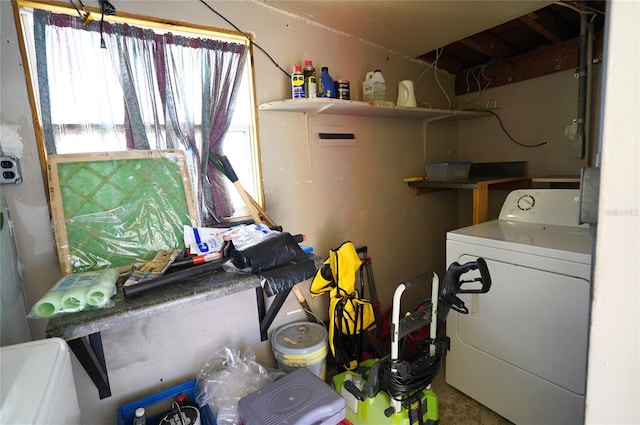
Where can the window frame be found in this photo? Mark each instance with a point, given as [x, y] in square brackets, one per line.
[136, 20]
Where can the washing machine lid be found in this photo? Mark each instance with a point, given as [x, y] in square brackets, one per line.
[37, 385]
[561, 242]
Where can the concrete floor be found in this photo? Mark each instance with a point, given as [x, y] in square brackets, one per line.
[455, 408]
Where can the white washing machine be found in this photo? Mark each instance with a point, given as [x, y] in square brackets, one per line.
[36, 384]
[522, 349]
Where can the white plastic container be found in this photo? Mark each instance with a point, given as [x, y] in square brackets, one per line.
[37, 385]
[301, 345]
[374, 88]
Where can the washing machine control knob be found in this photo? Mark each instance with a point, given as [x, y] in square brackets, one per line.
[526, 202]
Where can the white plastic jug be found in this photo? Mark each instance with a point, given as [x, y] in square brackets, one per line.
[406, 94]
[374, 88]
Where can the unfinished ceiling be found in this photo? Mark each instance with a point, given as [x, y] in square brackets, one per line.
[481, 42]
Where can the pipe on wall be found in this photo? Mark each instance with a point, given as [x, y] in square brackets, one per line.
[578, 145]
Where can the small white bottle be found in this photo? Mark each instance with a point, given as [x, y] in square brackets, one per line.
[139, 417]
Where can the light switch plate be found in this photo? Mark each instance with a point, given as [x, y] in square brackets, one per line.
[10, 168]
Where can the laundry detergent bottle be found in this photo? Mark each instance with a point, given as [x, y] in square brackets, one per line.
[374, 88]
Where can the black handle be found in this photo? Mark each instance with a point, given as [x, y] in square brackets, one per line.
[175, 277]
[453, 284]
[353, 389]
[420, 279]
[228, 169]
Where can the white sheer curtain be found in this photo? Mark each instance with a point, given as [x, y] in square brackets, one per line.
[145, 90]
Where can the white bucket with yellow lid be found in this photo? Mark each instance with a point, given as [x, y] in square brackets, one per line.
[301, 344]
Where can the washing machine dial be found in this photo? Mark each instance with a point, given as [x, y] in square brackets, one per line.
[526, 202]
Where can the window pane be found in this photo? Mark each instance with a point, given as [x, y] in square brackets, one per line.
[88, 110]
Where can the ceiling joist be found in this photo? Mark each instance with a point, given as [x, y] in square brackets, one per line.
[545, 60]
[541, 42]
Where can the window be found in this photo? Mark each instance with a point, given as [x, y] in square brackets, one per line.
[135, 83]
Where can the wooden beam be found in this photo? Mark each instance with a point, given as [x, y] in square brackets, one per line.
[489, 45]
[548, 24]
[543, 61]
[448, 62]
[540, 29]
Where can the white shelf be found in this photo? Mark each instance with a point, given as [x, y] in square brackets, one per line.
[364, 109]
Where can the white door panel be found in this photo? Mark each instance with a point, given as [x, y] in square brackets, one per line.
[533, 319]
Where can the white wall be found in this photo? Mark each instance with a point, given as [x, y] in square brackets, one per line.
[531, 116]
[27, 201]
[532, 112]
[613, 383]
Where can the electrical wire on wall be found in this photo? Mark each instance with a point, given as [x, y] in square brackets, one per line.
[582, 10]
[477, 78]
[248, 37]
[524, 145]
[434, 65]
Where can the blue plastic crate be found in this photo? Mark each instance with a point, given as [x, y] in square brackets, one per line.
[162, 400]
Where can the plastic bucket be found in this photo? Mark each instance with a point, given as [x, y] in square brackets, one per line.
[301, 344]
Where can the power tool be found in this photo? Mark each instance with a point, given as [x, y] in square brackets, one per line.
[396, 389]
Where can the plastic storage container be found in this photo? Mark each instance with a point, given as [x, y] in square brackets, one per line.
[300, 398]
[374, 88]
[443, 171]
[157, 405]
[301, 345]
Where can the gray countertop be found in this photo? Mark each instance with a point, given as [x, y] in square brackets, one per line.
[160, 300]
[480, 173]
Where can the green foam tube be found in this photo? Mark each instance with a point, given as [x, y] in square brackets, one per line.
[53, 302]
[74, 292]
[74, 299]
[48, 305]
[99, 294]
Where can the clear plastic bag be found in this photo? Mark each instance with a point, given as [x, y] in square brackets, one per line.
[227, 377]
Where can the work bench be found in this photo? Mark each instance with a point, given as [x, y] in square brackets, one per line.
[482, 178]
[82, 330]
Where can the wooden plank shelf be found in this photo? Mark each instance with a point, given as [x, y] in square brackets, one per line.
[482, 178]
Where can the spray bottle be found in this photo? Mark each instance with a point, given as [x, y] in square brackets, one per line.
[297, 83]
[310, 80]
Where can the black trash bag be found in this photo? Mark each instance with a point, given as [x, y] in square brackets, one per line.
[272, 252]
[285, 277]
